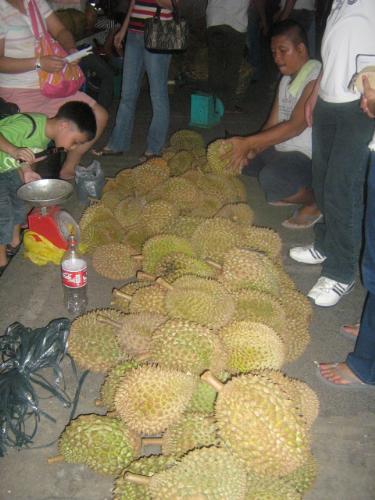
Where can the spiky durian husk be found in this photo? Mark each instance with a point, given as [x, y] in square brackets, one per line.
[305, 399]
[136, 237]
[111, 382]
[101, 232]
[147, 466]
[203, 399]
[216, 163]
[179, 191]
[192, 432]
[240, 213]
[262, 240]
[207, 207]
[136, 330]
[150, 399]
[192, 348]
[153, 172]
[210, 473]
[214, 237]
[187, 139]
[158, 247]
[286, 282]
[202, 300]
[218, 186]
[270, 489]
[260, 424]
[251, 346]
[180, 163]
[94, 212]
[111, 198]
[92, 344]
[103, 443]
[297, 338]
[109, 185]
[149, 299]
[296, 305]
[244, 268]
[176, 264]
[193, 175]
[157, 215]
[129, 211]
[168, 153]
[240, 188]
[121, 303]
[124, 181]
[184, 226]
[115, 261]
[304, 477]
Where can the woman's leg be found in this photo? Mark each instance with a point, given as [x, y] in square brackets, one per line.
[133, 72]
[157, 67]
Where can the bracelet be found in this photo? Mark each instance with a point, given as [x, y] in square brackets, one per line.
[37, 64]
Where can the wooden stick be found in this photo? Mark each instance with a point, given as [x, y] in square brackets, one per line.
[212, 381]
[55, 460]
[142, 276]
[162, 282]
[121, 294]
[214, 264]
[138, 257]
[108, 321]
[137, 479]
[152, 441]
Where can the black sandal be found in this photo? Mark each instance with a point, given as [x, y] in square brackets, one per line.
[12, 251]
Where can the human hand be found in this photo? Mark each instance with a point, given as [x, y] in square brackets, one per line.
[117, 41]
[52, 64]
[242, 151]
[368, 98]
[29, 175]
[23, 155]
[309, 109]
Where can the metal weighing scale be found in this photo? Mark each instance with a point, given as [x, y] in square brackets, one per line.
[47, 218]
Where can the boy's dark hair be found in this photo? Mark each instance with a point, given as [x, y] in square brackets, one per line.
[81, 115]
[293, 30]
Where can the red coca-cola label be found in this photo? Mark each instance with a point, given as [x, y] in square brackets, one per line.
[74, 279]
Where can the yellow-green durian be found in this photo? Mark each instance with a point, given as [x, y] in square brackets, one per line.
[111, 381]
[303, 478]
[218, 159]
[152, 173]
[184, 226]
[181, 192]
[177, 264]
[115, 261]
[128, 212]
[150, 399]
[187, 139]
[240, 213]
[207, 207]
[262, 240]
[94, 212]
[180, 163]
[149, 299]
[251, 346]
[136, 237]
[158, 247]
[121, 297]
[259, 488]
[124, 181]
[157, 215]
[111, 198]
[203, 399]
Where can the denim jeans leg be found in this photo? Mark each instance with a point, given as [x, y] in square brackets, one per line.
[362, 360]
[157, 68]
[133, 72]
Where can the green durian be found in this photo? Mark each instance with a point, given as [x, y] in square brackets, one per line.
[180, 163]
[217, 157]
[158, 247]
[111, 381]
[239, 213]
[187, 139]
[115, 261]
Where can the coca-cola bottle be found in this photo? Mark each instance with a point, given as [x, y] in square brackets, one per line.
[74, 278]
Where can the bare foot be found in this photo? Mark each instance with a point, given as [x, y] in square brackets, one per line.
[350, 331]
[302, 218]
[339, 374]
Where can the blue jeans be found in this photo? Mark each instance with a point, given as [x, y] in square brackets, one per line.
[362, 360]
[137, 60]
[13, 210]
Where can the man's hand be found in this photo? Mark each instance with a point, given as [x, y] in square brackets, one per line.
[52, 64]
[242, 151]
[23, 155]
[117, 41]
[368, 98]
[29, 175]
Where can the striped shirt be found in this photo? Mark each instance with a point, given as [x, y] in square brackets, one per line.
[143, 10]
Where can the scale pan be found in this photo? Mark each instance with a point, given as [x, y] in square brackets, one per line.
[45, 192]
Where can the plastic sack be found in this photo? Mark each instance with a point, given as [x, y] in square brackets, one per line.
[90, 181]
[40, 250]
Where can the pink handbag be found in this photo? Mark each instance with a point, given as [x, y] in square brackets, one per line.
[67, 81]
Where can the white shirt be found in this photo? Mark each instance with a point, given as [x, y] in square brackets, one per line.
[287, 103]
[232, 13]
[350, 30]
[20, 42]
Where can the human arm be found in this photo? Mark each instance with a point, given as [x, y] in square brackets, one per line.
[166, 4]
[368, 98]
[311, 101]
[120, 35]
[260, 7]
[288, 7]
[18, 153]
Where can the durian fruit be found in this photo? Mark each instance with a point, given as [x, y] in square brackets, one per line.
[214, 237]
[296, 305]
[150, 399]
[124, 181]
[263, 240]
[158, 247]
[179, 191]
[168, 153]
[192, 432]
[92, 344]
[240, 187]
[244, 268]
[146, 466]
[202, 300]
[101, 232]
[134, 332]
[111, 198]
[149, 299]
[109, 185]
[109, 387]
[219, 157]
[258, 422]
[193, 175]
[115, 261]
[207, 207]
[180, 163]
[304, 477]
[240, 213]
[219, 186]
[207, 473]
[251, 346]
[157, 215]
[187, 139]
[261, 488]
[153, 172]
[177, 264]
[121, 297]
[298, 337]
[203, 399]
[103, 443]
[184, 226]
[136, 237]
[129, 211]
[191, 348]
[93, 213]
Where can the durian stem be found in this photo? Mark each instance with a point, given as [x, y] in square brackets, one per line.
[137, 479]
[212, 381]
[108, 321]
[123, 295]
[98, 402]
[214, 264]
[162, 282]
[55, 460]
[152, 441]
[144, 356]
[142, 276]
[138, 257]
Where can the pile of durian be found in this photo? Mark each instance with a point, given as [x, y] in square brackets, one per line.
[194, 341]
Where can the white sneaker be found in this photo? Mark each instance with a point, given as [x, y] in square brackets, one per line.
[307, 255]
[327, 292]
